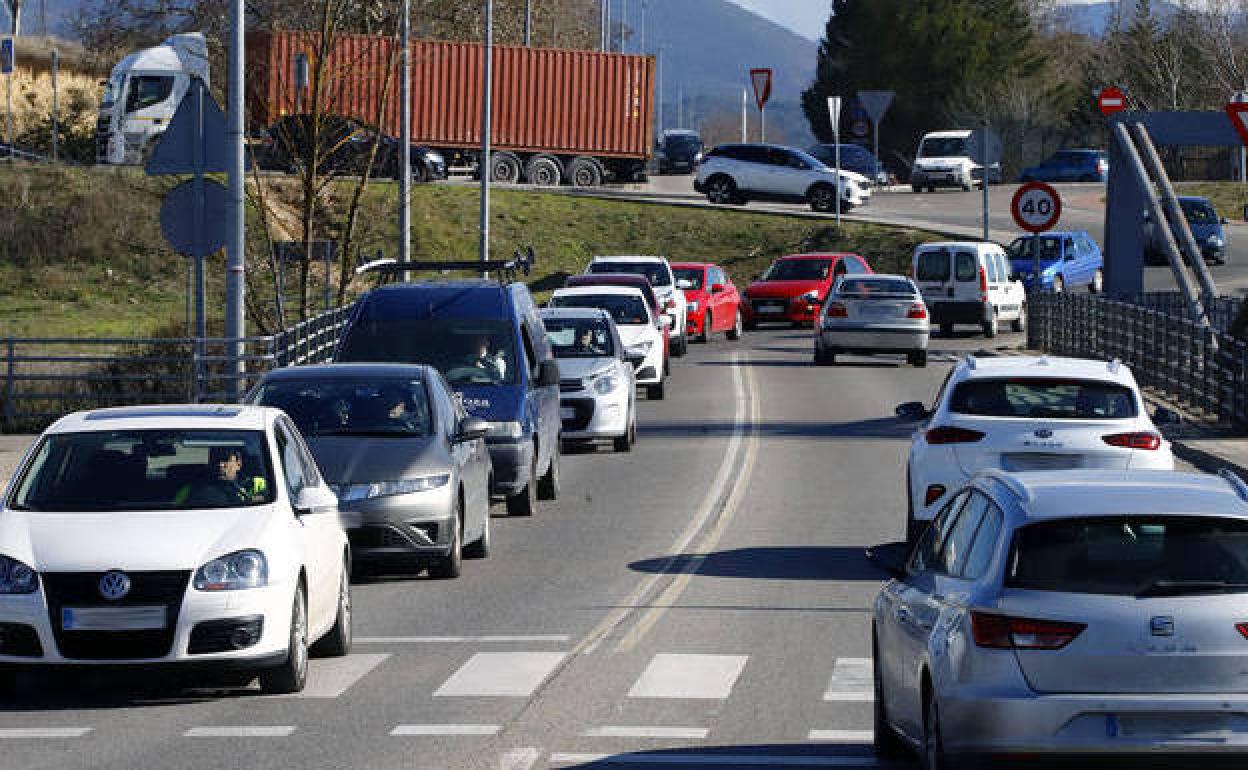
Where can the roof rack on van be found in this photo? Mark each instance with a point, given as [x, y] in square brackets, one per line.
[507, 269]
[1114, 365]
[1015, 486]
[1238, 484]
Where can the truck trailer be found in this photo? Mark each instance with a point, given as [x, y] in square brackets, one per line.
[558, 116]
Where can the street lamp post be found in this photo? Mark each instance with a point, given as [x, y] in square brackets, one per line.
[235, 284]
[405, 142]
[484, 164]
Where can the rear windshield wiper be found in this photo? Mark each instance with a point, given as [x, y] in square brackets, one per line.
[1182, 587]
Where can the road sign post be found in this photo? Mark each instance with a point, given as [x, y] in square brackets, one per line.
[6, 67]
[55, 62]
[876, 103]
[1241, 97]
[760, 77]
[834, 117]
[1036, 207]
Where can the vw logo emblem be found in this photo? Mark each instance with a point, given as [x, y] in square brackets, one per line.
[114, 585]
[1044, 433]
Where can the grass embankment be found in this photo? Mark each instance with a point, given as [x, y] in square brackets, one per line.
[81, 252]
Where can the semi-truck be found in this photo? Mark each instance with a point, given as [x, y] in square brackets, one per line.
[142, 93]
[558, 116]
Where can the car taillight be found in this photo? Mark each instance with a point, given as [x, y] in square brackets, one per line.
[1242, 628]
[933, 493]
[1002, 632]
[983, 284]
[948, 434]
[837, 310]
[917, 310]
[1139, 440]
[669, 305]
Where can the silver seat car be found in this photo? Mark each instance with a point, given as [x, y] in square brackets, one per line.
[597, 385]
[409, 466]
[1067, 614]
[872, 314]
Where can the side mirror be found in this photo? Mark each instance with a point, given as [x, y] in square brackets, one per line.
[912, 410]
[1164, 416]
[548, 373]
[471, 429]
[665, 322]
[717, 288]
[890, 557]
[684, 284]
[317, 499]
[635, 357]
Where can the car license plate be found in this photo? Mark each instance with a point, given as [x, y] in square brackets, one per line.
[875, 311]
[567, 413]
[771, 307]
[113, 618]
[1039, 461]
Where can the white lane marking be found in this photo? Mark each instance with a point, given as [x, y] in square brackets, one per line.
[44, 732]
[501, 673]
[274, 731]
[715, 760]
[519, 759]
[851, 681]
[331, 678]
[446, 730]
[689, 676]
[534, 638]
[609, 731]
[842, 736]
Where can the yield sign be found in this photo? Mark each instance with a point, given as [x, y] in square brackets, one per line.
[1111, 100]
[761, 78]
[1238, 113]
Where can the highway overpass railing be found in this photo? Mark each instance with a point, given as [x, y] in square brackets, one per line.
[1204, 369]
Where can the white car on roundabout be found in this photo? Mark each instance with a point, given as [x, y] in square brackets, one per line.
[197, 536]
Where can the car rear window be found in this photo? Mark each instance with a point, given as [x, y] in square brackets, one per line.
[1043, 398]
[966, 267]
[876, 287]
[1131, 556]
[933, 266]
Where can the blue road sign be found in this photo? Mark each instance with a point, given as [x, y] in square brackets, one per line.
[177, 218]
[6, 56]
[197, 125]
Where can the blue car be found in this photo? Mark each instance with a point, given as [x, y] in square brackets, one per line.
[489, 342]
[854, 157]
[1206, 228]
[1058, 261]
[1070, 166]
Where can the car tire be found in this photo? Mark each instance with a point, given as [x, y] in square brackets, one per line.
[886, 743]
[584, 172]
[625, 443]
[337, 643]
[548, 486]
[1098, 282]
[524, 502]
[543, 171]
[914, 188]
[451, 566]
[917, 358]
[480, 548]
[722, 190]
[989, 327]
[1020, 324]
[705, 336]
[735, 332]
[291, 675]
[968, 187]
[822, 198]
[656, 392]
[680, 346]
[504, 168]
[932, 750]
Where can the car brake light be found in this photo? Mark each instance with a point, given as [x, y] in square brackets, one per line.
[669, 305]
[1242, 628]
[983, 284]
[948, 434]
[1139, 440]
[1003, 632]
[933, 493]
[917, 311]
[837, 310]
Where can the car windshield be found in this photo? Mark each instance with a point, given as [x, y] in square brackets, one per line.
[1131, 556]
[682, 142]
[467, 352]
[798, 270]
[373, 406]
[655, 272]
[943, 147]
[579, 337]
[1043, 398]
[866, 288]
[1199, 213]
[694, 275]
[112, 90]
[626, 309]
[146, 470]
[1022, 248]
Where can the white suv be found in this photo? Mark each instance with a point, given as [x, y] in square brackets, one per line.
[735, 173]
[658, 271]
[1021, 413]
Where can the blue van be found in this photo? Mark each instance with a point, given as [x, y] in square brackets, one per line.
[1066, 259]
[488, 340]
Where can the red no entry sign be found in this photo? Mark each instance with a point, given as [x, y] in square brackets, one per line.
[1111, 100]
[1036, 207]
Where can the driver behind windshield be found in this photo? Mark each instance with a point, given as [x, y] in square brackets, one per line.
[226, 481]
[478, 354]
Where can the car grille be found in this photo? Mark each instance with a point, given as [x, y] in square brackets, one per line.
[582, 413]
[393, 536]
[769, 305]
[570, 386]
[81, 589]
[19, 640]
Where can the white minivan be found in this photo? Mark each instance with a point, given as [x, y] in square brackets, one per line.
[969, 282]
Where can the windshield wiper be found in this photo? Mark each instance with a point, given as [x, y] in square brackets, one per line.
[1184, 587]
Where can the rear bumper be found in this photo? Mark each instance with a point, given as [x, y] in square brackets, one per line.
[512, 462]
[958, 312]
[874, 337]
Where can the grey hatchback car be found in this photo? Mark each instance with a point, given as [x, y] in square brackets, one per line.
[409, 466]
[1068, 614]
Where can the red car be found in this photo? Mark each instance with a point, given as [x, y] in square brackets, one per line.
[794, 287]
[712, 301]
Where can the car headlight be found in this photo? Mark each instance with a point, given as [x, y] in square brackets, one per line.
[606, 383]
[810, 296]
[691, 307]
[507, 429]
[1215, 241]
[434, 156]
[233, 572]
[16, 577]
[352, 492]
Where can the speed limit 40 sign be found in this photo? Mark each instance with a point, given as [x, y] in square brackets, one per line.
[1036, 207]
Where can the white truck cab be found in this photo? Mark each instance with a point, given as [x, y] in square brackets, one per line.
[142, 93]
[950, 159]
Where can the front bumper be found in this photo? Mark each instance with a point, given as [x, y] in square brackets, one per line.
[792, 309]
[513, 464]
[589, 416]
[411, 525]
[872, 337]
[932, 178]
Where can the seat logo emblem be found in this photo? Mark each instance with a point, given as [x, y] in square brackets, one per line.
[114, 585]
[1043, 433]
[1162, 625]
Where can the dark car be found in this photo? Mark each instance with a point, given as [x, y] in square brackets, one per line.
[488, 341]
[678, 150]
[854, 157]
[1070, 166]
[343, 146]
[1206, 228]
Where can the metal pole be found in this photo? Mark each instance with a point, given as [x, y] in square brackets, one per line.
[660, 79]
[405, 141]
[606, 25]
[643, 27]
[875, 131]
[745, 115]
[235, 283]
[836, 137]
[762, 123]
[983, 173]
[8, 109]
[198, 255]
[603, 11]
[56, 117]
[528, 23]
[484, 164]
[623, 22]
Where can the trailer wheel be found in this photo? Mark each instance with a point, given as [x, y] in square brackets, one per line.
[543, 171]
[585, 172]
[504, 168]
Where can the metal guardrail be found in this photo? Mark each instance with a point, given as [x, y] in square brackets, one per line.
[44, 378]
[1164, 349]
[1221, 310]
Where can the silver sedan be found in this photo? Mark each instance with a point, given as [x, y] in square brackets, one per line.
[872, 314]
[1068, 614]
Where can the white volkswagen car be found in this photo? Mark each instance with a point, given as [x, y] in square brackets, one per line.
[1022, 413]
[198, 534]
[658, 271]
[641, 333]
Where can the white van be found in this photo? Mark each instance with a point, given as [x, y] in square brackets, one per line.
[969, 282]
[951, 159]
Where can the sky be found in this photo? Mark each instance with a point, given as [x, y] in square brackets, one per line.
[805, 17]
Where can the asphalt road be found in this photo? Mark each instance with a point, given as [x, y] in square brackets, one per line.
[704, 595]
